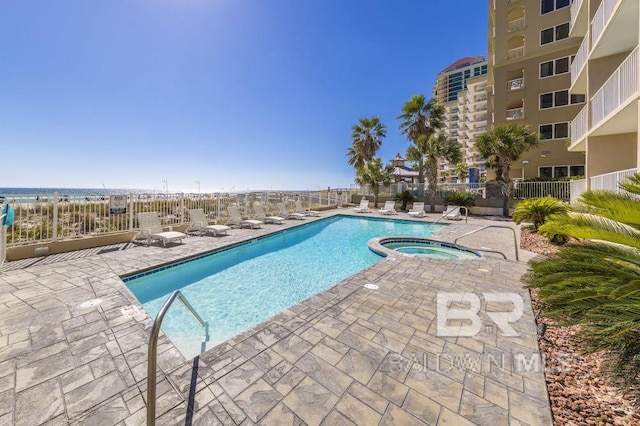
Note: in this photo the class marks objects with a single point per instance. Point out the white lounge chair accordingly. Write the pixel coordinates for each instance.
(364, 206)
(237, 220)
(282, 211)
(452, 213)
(151, 229)
(417, 210)
(301, 210)
(262, 216)
(389, 208)
(200, 224)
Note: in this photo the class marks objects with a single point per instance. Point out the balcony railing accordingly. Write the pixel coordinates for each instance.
(516, 24)
(515, 53)
(515, 114)
(580, 59)
(619, 87)
(516, 83)
(579, 125)
(601, 18)
(575, 8)
(609, 181)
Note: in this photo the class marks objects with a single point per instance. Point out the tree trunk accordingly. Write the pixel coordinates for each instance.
(432, 177)
(508, 191)
(376, 191)
(420, 177)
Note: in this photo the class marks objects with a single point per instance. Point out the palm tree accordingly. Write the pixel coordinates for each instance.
(431, 151)
(366, 139)
(462, 171)
(596, 283)
(501, 147)
(373, 173)
(420, 119)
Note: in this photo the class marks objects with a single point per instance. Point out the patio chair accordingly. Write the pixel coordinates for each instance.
(200, 224)
(452, 213)
(262, 216)
(417, 210)
(237, 220)
(151, 230)
(301, 210)
(389, 208)
(364, 206)
(282, 211)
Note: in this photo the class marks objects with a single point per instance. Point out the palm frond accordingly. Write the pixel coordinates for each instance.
(591, 226)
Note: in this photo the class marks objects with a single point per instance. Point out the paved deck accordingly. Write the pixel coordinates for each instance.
(348, 355)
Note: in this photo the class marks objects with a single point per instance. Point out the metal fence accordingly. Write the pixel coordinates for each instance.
(442, 189)
(55, 217)
(556, 189)
(610, 181)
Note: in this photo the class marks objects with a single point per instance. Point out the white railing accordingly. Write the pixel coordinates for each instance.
(516, 83)
(515, 114)
(557, 189)
(579, 125)
(55, 217)
(516, 24)
(622, 84)
(575, 9)
(577, 187)
(609, 181)
(415, 189)
(580, 59)
(515, 52)
(601, 18)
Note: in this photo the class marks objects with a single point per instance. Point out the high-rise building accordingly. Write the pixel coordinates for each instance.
(461, 89)
(530, 53)
(607, 69)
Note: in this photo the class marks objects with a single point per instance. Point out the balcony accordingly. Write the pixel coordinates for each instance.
(579, 127)
(610, 181)
(622, 85)
(516, 52)
(516, 25)
(614, 28)
(515, 114)
(579, 21)
(515, 84)
(578, 77)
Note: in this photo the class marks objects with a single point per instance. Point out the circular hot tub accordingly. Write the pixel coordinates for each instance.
(411, 246)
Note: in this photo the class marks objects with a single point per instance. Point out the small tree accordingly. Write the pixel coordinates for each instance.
(462, 171)
(501, 147)
(366, 139)
(537, 210)
(404, 197)
(373, 173)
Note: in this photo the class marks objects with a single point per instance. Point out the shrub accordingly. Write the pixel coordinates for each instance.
(458, 198)
(538, 210)
(404, 197)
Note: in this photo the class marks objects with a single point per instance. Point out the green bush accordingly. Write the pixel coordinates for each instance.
(538, 210)
(458, 198)
(404, 197)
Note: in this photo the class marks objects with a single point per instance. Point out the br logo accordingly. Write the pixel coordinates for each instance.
(458, 313)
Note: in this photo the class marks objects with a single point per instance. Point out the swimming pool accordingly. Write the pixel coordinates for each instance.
(240, 287)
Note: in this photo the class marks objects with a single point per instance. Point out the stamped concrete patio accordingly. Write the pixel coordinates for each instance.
(348, 355)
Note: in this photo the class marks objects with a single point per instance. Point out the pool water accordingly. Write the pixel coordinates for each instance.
(431, 250)
(238, 288)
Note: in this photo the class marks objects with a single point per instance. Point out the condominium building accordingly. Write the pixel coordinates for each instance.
(461, 89)
(530, 53)
(606, 70)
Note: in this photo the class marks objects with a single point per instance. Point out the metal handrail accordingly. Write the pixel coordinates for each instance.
(153, 350)
(515, 237)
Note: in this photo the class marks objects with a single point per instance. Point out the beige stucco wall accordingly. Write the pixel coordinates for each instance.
(609, 153)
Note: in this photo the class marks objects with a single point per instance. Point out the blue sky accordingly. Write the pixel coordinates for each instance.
(241, 94)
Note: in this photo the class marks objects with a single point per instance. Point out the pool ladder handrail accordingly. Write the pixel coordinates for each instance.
(515, 239)
(466, 217)
(153, 350)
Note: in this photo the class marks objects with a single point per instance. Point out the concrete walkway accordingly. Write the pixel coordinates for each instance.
(349, 355)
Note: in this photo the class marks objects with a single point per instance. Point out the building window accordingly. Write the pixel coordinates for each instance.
(555, 67)
(560, 171)
(554, 131)
(559, 98)
(557, 172)
(556, 33)
(548, 6)
(576, 170)
(545, 172)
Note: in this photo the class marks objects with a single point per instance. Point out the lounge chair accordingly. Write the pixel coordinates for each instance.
(237, 220)
(389, 208)
(452, 213)
(151, 230)
(364, 206)
(301, 210)
(200, 224)
(282, 211)
(417, 210)
(262, 216)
